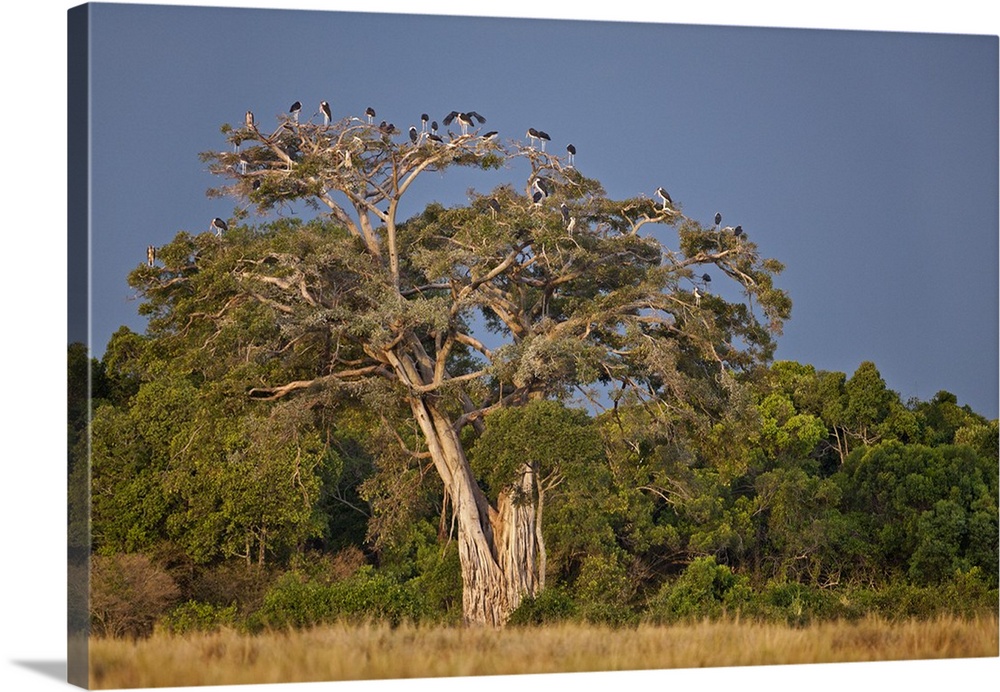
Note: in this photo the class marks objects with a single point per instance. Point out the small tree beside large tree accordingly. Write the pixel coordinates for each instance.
(540, 290)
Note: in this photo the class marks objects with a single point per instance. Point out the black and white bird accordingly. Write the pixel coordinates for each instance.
(413, 134)
(544, 137)
(568, 218)
(532, 134)
(707, 278)
(218, 225)
(327, 114)
(150, 255)
(571, 150)
(370, 112)
(466, 120)
(538, 193)
(249, 120)
(423, 121)
(697, 296)
(738, 231)
(665, 196)
(718, 219)
(494, 206)
(294, 110)
(490, 135)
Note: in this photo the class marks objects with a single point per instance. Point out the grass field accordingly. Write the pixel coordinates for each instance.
(377, 651)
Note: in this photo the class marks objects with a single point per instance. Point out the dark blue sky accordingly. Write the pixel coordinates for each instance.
(865, 161)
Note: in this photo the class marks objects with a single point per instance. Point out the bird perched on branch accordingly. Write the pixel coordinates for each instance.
(466, 120)
(665, 196)
(324, 108)
(294, 110)
(571, 150)
(538, 192)
(218, 225)
(150, 255)
(249, 120)
(370, 112)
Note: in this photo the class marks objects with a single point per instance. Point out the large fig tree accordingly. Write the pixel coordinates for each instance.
(540, 288)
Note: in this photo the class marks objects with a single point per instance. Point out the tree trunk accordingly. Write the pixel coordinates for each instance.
(496, 547)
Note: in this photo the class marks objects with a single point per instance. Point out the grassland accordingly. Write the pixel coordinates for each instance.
(378, 651)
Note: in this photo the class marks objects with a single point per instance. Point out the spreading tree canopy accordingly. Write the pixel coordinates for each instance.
(541, 289)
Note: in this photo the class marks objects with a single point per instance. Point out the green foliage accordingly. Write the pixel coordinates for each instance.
(544, 435)
(552, 605)
(192, 616)
(921, 507)
(439, 581)
(966, 594)
(603, 591)
(796, 604)
(367, 596)
(705, 590)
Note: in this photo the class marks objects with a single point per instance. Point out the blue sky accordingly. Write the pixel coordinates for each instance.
(866, 161)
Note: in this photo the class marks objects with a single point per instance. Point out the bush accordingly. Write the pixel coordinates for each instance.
(440, 582)
(549, 606)
(704, 590)
(235, 583)
(298, 602)
(128, 594)
(967, 594)
(193, 616)
(603, 592)
(797, 604)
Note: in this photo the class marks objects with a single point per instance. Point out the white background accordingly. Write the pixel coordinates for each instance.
(33, 142)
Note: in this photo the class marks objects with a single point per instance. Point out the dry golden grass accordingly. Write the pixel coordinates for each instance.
(376, 651)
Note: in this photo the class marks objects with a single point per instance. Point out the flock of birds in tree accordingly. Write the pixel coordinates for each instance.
(429, 131)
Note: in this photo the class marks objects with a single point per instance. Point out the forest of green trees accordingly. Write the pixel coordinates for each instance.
(316, 427)
(827, 497)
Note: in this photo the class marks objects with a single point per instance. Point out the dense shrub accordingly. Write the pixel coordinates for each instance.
(235, 583)
(193, 616)
(440, 583)
(549, 606)
(704, 590)
(967, 594)
(604, 591)
(128, 594)
(797, 604)
(298, 602)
